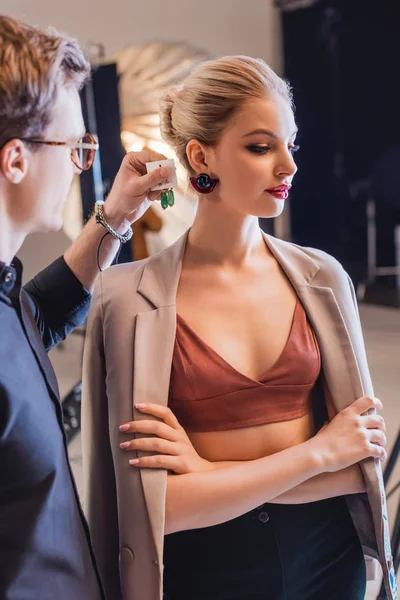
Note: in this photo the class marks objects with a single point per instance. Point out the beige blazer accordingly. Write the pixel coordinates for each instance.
(127, 359)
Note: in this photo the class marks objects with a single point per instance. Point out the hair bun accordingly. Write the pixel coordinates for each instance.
(167, 102)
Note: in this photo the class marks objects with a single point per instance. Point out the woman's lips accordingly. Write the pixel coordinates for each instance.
(281, 192)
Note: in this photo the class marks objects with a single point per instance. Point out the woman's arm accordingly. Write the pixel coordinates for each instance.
(224, 498)
(320, 487)
(207, 498)
(203, 495)
(325, 485)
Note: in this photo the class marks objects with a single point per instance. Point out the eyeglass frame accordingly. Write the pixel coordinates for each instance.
(77, 146)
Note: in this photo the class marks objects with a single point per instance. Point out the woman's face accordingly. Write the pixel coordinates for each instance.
(254, 158)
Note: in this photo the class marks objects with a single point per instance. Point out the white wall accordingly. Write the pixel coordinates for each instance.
(219, 26)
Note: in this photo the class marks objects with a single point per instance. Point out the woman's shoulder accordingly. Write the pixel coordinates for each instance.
(123, 275)
(322, 259)
(326, 269)
(139, 285)
(116, 288)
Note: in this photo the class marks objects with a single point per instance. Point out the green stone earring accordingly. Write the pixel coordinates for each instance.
(167, 199)
(171, 198)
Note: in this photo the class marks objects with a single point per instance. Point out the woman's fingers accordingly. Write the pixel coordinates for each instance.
(151, 428)
(374, 422)
(377, 451)
(161, 412)
(376, 436)
(162, 461)
(151, 445)
(362, 405)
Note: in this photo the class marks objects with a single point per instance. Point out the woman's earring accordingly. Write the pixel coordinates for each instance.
(203, 183)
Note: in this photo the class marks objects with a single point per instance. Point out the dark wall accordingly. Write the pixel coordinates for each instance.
(100, 102)
(342, 58)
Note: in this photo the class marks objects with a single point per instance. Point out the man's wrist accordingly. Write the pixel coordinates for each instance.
(118, 222)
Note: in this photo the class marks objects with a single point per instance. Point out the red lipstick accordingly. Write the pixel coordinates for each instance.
(281, 192)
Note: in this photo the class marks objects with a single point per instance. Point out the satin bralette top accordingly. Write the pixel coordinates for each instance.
(208, 394)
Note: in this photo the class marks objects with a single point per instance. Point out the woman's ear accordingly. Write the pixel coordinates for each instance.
(198, 156)
(14, 161)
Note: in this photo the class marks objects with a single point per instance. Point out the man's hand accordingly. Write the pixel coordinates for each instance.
(173, 448)
(130, 194)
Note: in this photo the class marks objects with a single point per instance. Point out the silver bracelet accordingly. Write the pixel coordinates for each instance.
(99, 214)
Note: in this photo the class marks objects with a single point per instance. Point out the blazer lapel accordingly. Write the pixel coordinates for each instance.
(344, 364)
(337, 353)
(338, 359)
(154, 346)
(155, 333)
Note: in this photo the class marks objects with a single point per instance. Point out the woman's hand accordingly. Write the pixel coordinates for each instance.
(173, 448)
(352, 436)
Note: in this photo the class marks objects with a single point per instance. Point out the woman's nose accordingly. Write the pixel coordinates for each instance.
(286, 167)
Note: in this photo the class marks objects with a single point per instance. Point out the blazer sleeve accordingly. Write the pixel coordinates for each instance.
(361, 350)
(100, 501)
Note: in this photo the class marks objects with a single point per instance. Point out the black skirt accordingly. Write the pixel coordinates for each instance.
(276, 552)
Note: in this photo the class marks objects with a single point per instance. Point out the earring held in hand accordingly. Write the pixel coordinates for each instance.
(167, 195)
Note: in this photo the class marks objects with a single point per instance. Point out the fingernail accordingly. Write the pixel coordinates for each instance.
(124, 445)
(140, 406)
(164, 172)
(134, 461)
(124, 428)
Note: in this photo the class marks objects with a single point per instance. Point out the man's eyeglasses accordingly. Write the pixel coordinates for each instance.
(82, 153)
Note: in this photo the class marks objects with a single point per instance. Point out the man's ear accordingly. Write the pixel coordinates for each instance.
(14, 161)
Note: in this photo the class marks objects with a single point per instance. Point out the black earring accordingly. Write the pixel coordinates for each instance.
(203, 183)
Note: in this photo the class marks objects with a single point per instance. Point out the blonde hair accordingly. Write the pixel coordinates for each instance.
(33, 63)
(209, 98)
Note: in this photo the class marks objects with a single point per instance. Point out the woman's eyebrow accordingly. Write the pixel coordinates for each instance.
(267, 132)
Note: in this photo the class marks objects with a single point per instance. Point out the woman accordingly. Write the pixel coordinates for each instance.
(233, 329)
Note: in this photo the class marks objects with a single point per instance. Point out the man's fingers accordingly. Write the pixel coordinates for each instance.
(144, 183)
(143, 157)
(150, 428)
(154, 196)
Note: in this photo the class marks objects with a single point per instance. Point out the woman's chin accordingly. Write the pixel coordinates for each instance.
(272, 210)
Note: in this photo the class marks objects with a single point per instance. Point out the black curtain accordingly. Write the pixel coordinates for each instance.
(342, 57)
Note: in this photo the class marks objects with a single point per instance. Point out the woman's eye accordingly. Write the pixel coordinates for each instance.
(294, 148)
(259, 149)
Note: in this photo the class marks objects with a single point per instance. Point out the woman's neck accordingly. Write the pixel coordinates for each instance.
(219, 237)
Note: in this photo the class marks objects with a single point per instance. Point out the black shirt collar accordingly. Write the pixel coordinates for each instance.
(10, 279)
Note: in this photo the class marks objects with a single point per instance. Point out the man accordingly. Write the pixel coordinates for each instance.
(45, 551)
